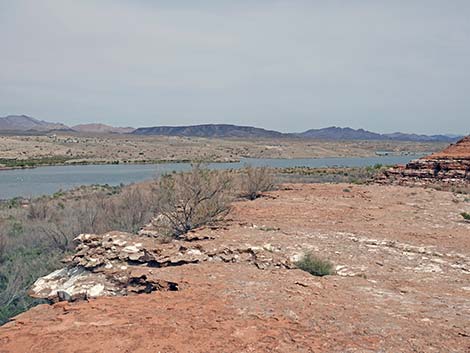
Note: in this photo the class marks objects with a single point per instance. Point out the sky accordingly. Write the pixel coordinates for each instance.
(395, 65)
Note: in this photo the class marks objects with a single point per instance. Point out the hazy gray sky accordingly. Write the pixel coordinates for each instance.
(286, 65)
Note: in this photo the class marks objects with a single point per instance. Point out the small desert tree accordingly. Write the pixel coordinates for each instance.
(254, 181)
(190, 200)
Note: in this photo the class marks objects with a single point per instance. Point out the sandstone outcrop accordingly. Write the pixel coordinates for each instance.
(450, 166)
(118, 263)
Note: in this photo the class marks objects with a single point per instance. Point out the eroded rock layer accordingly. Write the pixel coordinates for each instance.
(450, 166)
(119, 263)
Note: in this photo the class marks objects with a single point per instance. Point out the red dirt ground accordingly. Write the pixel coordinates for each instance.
(403, 284)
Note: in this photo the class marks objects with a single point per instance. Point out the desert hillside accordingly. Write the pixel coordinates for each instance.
(459, 150)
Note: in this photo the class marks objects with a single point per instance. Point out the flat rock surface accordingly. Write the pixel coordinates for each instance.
(402, 257)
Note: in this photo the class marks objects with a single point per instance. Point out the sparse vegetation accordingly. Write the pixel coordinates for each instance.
(33, 239)
(465, 216)
(255, 181)
(36, 234)
(314, 265)
(353, 175)
(33, 162)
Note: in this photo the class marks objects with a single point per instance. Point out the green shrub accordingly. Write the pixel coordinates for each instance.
(315, 266)
(465, 216)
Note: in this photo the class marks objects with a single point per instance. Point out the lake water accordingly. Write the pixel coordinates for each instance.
(47, 180)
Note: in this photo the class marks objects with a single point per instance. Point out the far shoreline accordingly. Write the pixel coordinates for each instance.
(45, 162)
(135, 162)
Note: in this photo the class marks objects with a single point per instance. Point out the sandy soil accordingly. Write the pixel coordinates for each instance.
(402, 285)
(98, 148)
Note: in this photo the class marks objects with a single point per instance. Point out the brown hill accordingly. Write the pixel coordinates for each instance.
(459, 150)
(27, 123)
(102, 128)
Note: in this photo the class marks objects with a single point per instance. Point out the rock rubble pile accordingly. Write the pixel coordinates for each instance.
(118, 263)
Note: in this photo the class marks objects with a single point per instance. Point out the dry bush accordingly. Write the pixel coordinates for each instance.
(38, 210)
(60, 235)
(63, 224)
(3, 244)
(255, 181)
(98, 213)
(190, 200)
(130, 210)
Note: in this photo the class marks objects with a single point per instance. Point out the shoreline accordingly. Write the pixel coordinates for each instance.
(136, 162)
(36, 163)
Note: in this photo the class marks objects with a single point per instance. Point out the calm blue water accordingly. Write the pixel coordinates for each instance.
(47, 180)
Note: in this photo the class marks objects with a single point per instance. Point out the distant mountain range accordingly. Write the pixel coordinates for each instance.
(329, 133)
(26, 124)
(338, 133)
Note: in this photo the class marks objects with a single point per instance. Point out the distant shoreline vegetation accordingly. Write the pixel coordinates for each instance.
(15, 163)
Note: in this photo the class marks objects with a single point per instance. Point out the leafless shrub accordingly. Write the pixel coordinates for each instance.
(12, 287)
(132, 209)
(3, 244)
(38, 210)
(97, 213)
(255, 181)
(190, 200)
